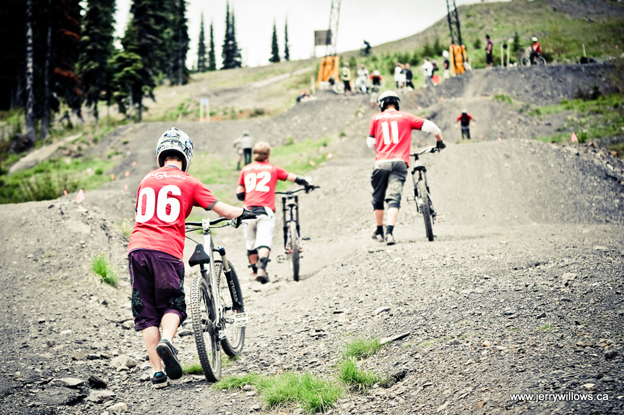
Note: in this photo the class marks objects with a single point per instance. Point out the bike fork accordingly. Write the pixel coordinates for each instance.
(227, 271)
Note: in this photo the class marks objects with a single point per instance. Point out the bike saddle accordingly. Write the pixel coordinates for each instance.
(199, 256)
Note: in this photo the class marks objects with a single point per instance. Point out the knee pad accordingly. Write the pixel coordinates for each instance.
(253, 252)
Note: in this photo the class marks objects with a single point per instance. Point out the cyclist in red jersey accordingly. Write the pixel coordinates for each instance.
(164, 200)
(536, 49)
(256, 187)
(390, 137)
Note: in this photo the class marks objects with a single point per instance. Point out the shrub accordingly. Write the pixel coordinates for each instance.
(102, 268)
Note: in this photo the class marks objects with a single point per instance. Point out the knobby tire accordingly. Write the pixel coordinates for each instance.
(426, 212)
(206, 338)
(294, 256)
(234, 339)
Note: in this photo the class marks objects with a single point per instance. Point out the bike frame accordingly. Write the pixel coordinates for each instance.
(291, 213)
(422, 175)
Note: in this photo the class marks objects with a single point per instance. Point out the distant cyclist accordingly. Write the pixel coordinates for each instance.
(536, 50)
(256, 188)
(164, 200)
(390, 138)
(464, 119)
(243, 145)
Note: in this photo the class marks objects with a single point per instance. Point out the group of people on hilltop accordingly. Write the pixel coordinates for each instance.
(166, 196)
(535, 51)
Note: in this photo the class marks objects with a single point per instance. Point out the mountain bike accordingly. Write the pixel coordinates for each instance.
(422, 196)
(526, 59)
(292, 237)
(216, 304)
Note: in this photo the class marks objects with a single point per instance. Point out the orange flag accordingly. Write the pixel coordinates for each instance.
(574, 138)
(80, 196)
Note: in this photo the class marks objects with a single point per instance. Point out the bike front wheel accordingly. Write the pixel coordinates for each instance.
(526, 61)
(294, 256)
(541, 61)
(203, 315)
(234, 339)
(426, 209)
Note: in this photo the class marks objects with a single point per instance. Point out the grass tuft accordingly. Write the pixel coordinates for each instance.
(351, 375)
(193, 369)
(313, 393)
(102, 268)
(362, 348)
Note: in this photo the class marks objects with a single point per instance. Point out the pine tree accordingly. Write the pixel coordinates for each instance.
(30, 94)
(12, 16)
(230, 52)
(142, 38)
(212, 60)
(127, 79)
(201, 49)
(286, 51)
(274, 47)
(96, 51)
(180, 45)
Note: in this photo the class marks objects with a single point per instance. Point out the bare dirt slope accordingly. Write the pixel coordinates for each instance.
(521, 292)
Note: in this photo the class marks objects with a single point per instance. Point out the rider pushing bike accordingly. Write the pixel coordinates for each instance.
(390, 138)
(256, 187)
(536, 50)
(164, 200)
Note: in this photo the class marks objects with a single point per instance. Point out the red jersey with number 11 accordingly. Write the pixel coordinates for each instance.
(392, 130)
(164, 200)
(259, 179)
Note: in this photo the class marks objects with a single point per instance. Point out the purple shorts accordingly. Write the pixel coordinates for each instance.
(157, 282)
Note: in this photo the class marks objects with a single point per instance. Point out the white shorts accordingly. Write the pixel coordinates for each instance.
(259, 231)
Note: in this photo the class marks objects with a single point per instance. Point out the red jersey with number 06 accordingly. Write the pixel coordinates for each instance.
(164, 200)
(392, 130)
(259, 179)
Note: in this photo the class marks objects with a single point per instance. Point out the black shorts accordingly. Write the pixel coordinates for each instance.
(387, 181)
(347, 85)
(489, 58)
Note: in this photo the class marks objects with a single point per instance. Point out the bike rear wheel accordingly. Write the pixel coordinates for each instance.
(234, 338)
(203, 314)
(426, 209)
(294, 256)
(541, 61)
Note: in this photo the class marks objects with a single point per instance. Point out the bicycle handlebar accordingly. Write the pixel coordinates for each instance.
(430, 149)
(290, 192)
(212, 222)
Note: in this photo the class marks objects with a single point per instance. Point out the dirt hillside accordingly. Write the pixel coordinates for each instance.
(521, 291)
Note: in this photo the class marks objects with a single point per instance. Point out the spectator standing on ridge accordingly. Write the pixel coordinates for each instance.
(465, 119)
(390, 138)
(244, 146)
(447, 64)
(428, 71)
(409, 76)
(489, 59)
(304, 94)
(362, 79)
(346, 78)
(397, 74)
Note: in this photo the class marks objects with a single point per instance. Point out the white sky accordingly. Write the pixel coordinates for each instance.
(374, 20)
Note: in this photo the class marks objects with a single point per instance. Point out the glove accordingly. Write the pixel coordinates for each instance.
(247, 214)
(309, 187)
(301, 181)
(440, 145)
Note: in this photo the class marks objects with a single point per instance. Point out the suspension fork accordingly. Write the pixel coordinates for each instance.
(285, 223)
(227, 271)
(297, 213)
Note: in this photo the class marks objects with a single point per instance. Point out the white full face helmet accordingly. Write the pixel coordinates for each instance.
(534, 39)
(388, 97)
(174, 141)
(445, 54)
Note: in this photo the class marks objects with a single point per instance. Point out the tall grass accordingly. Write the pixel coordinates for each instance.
(101, 267)
(350, 374)
(362, 348)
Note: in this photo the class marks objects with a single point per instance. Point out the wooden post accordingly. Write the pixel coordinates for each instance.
(502, 56)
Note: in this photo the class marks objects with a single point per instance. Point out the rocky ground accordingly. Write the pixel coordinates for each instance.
(521, 292)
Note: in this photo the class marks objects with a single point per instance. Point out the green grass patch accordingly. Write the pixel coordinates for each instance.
(503, 98)
(313, 393)
(193, 369)
(362, 348)
(546, 327)
(351, 375)
(101, 267)
(299, 158)
(126, 227)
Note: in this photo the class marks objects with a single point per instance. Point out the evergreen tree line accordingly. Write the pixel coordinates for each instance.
(55, 52)
(275, 56)
(230, 52)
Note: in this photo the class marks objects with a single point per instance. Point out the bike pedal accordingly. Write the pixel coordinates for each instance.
(280, 259)
(241, 319)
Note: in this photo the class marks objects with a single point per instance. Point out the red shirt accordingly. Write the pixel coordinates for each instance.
(465, 122)
(392, 130)
(164, 200)
(537, 47)
(259, 180)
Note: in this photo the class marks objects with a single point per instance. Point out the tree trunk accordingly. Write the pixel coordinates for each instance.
(96, 114)
(30, 95)
(45, 120)
(140, 106)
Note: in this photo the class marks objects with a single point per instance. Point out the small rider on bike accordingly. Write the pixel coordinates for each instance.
(536, 50)
(164, 200)
(390, 138)
(366, 48)
(243, 145)
(256, 188)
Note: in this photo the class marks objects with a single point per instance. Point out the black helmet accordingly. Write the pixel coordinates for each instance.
(388, 97)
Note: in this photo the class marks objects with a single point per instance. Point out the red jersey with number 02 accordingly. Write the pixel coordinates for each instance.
(164, 200)
(392, 130)
(259, 179)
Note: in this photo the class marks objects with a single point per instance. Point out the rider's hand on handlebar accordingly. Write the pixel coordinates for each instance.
(440, 145)
(309, 187)
(247, 214)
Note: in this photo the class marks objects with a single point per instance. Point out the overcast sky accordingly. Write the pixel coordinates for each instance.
(374, 20)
